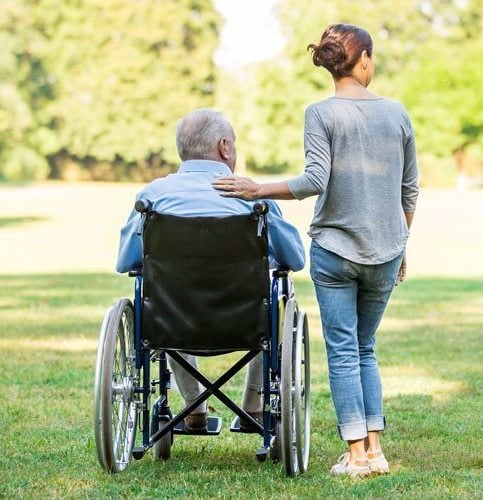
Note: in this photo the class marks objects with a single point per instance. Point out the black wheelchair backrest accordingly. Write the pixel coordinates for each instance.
(206, 283)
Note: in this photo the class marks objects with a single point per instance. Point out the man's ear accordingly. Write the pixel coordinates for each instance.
(223, 149)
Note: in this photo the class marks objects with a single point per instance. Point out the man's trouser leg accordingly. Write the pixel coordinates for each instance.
(189, 387)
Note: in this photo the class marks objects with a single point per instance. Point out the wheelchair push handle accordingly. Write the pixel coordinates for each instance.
(260, 208)
(143, 206)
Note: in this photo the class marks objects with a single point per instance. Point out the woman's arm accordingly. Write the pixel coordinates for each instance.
(409, 188)
(245, 188)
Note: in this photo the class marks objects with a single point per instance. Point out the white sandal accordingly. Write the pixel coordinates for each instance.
(378, 463)
(344, 467)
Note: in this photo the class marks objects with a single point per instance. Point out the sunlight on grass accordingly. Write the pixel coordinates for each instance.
(81, 237)
(410, 380)
(78, 344)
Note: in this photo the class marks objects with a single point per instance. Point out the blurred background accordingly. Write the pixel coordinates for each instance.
(92, 89)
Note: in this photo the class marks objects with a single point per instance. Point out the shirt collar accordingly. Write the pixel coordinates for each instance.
(212, 166)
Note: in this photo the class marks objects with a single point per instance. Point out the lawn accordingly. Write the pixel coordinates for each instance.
(428, 347)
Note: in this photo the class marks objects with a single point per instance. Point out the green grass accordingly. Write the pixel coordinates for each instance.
(429, 355)
(15, 221)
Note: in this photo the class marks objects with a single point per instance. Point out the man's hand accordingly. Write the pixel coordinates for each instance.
(237, 187)
(401, 275)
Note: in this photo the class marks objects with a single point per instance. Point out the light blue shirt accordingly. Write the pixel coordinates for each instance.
(189, 193)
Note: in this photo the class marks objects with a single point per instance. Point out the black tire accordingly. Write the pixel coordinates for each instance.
(288, 441)
(115, 402)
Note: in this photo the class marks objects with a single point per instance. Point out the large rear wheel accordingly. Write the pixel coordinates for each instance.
(287, 392)
(302, 391)
(115, 400)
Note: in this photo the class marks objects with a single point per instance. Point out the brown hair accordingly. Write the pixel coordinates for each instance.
(340, 48)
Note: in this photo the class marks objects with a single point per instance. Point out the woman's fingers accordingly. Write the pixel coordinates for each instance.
(239, 187)
(401, 275)
(224, 183)
(227, 186)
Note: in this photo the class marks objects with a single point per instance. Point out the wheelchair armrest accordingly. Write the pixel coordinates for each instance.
(138, 271)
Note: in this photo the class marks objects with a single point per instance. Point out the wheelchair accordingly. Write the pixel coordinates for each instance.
(205, 288)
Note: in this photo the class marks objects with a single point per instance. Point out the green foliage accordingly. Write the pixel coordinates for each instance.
(23, 164)
(445, 95)
(268, 117)
(426, 55)
(117, 75)
(93, 88)
(24, 89)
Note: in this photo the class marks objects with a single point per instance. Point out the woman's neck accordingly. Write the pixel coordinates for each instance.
(352, 88)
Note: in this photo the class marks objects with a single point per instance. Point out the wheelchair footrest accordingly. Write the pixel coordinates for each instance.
(235, 427)
(261, 454)
(138, 453)
(213, 428)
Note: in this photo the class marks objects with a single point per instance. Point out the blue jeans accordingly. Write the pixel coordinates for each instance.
(352, 298)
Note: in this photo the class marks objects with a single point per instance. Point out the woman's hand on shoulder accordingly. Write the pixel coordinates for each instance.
(237, 187)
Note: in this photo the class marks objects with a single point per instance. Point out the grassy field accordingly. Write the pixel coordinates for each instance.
(57, 284)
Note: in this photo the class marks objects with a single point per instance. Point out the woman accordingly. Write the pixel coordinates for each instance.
(361, 163)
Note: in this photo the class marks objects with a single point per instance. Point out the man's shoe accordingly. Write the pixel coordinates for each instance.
(196, 422)
(345, 468)
(246, 426)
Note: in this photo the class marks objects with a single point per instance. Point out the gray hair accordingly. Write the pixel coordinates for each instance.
(198, 133)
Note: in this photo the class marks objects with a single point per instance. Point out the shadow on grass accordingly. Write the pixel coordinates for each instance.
(17, 221)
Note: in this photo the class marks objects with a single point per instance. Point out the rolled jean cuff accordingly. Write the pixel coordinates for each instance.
(376, 422)
(353, 431)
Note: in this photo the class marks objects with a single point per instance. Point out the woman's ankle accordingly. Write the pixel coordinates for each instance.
(357, 451)
(372, 442)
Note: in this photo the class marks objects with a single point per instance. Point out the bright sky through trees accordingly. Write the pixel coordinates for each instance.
(250, 32)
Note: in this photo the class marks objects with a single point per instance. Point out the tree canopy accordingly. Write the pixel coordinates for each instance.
(101, 83)
(94, 88)
(426, 55)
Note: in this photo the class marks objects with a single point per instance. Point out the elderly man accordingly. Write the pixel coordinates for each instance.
(205, 141)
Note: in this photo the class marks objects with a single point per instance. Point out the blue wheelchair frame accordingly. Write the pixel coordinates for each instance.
(271, 373)
(135, 334)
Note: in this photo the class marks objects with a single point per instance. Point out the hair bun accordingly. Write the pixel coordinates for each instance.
(340, 47)
(330, 53)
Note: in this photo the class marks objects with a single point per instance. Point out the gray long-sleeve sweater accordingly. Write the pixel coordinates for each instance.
(361, 162)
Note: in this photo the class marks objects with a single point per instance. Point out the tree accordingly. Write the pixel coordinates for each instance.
(120, 74)
(425, 53)
(24, 90)
(444, 92)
